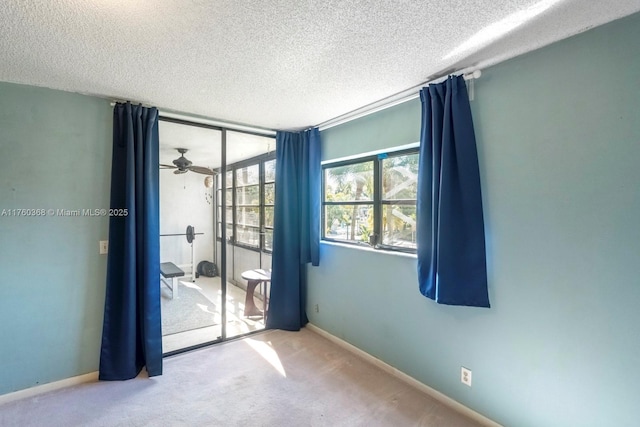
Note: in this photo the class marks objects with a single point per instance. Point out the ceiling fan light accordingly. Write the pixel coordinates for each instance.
(182, 162)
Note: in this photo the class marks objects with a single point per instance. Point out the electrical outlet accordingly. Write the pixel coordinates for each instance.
(465, 376)
(104, 247)
(316, 308)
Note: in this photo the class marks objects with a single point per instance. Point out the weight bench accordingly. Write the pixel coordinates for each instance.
(169, 270)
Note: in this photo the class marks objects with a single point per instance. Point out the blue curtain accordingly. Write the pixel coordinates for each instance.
(450, 225)
(131, 335)
(296, 234)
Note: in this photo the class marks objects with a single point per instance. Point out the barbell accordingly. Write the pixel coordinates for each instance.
(190, 234)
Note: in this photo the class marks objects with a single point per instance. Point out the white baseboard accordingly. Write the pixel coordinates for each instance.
(45, 388)
(444, 399)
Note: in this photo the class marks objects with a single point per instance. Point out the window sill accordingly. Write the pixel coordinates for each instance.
(369, 249)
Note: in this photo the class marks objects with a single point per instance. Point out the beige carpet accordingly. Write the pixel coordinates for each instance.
(275, 378)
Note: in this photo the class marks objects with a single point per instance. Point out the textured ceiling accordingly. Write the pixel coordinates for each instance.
(279, 64)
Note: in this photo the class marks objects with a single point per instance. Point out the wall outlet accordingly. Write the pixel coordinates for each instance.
(316, 308)
(104, 247)
(465, 376)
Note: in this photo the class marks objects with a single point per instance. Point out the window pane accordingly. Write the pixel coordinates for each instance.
(349, 222)
(269, 194)
(248, 175)
(229, 197)
(229, 182)
(270, 171)
(248, 195)
(399, 225)
(268, 216)
(219, 197)
(229, 217)
(247, 235)
(400, 177)
(229, 231)
(248, 216)
(268, 240)
(350, 182)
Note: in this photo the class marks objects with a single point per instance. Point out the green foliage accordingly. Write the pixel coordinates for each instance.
(354, 182)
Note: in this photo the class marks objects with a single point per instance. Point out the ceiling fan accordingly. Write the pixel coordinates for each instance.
(184, 165)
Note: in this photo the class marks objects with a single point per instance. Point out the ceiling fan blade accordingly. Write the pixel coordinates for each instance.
(180, 171)
(167, 166)
(201, 169)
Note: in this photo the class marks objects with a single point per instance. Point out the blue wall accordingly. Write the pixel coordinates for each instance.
(558, 133)
(55, 154)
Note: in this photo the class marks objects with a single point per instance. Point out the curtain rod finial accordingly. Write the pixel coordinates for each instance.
(474, 75)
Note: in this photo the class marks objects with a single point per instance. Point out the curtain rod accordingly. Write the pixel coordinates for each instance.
(206, 121)
(391, 101)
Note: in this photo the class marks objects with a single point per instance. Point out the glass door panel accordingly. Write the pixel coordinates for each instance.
(250, 183)
(191, 288)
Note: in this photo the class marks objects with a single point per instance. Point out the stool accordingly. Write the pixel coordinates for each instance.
(255, 278)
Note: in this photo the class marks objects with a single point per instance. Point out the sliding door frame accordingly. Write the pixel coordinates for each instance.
(223, 230)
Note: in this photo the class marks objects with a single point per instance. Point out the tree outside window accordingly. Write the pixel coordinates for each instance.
(372, 201)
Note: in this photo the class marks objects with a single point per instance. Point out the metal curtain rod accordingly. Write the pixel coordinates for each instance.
(388, 102)
(211, 122)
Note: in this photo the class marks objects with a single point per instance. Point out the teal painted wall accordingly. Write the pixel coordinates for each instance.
(55, 154)
(396, 126)
(558, 133)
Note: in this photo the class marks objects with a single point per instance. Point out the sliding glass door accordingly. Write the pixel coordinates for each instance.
(216, 225)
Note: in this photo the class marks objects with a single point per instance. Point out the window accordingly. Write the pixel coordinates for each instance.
(247, 206)
(372, 201)
(229, 195)
(269, 200)
(250, 187)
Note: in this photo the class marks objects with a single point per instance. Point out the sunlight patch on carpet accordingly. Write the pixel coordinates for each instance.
(268, 353)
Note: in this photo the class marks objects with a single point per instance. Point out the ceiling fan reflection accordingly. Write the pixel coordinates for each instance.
(184, 165)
